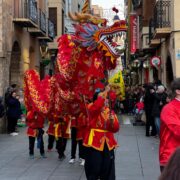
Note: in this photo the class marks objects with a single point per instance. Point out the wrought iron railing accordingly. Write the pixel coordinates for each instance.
(51, 31)
(42, 21)
(31, 11)
(26, 9)
(162, 14)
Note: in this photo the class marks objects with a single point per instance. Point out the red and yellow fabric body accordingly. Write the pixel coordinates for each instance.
(62, 127)
(101, 130)
(52, 118)
(34, 121)
(81, 127)
(169, 131)
(79, 122)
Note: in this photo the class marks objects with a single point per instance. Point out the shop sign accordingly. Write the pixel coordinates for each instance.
(155, 61)
(133, 32)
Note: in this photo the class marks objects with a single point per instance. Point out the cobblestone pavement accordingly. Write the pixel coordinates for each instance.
(136, 158)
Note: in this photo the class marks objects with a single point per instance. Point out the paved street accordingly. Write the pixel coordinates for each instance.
(136, 158)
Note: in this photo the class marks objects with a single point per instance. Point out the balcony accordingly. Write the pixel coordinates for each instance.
(162, 23)
(41, 30)
(51, 33)
(26, 14)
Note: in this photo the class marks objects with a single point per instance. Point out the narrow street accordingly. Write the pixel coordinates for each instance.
(136, 158)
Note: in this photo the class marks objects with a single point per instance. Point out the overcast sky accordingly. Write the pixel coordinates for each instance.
(108, 5)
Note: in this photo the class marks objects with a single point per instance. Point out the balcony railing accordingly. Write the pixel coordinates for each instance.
(31, 10)
(160, 25)
(51, 31)
(153, 42)
(42, 19)
(26, 13)
(162, 14)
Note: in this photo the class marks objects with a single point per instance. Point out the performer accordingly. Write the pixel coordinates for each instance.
(35, 123)
(77, 125)
(51, 131)
(99, 139)
(62, 133)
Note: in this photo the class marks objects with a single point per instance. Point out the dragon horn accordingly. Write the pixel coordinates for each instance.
(73, 17)
(82, 16)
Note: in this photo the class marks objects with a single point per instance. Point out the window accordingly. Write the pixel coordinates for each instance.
(53, 18)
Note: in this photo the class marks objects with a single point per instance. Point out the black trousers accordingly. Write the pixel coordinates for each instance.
(150, 122)
(74, 143)
(51, 140)
(31, 145)
(12, 123)
(61, 146)
(162, 168)
(100, 164)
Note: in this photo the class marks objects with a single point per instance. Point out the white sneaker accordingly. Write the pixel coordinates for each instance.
(13, 134)
(72, 161)
(82, 162)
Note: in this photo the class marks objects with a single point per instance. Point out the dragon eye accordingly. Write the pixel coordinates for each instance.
(100, 25)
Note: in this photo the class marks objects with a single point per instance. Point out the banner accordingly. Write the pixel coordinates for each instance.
(133, 32)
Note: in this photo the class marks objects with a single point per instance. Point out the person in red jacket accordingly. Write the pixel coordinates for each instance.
(99, 139)
(170, 126)
(35, 123)
(62, 133)
(51, 131)
(77, 125)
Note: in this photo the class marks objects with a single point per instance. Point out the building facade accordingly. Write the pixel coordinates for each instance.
(24, 27)
(58, 14)
(159, 49)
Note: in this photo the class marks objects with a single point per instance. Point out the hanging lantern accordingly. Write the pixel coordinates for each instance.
(136, 63)
(146, 64)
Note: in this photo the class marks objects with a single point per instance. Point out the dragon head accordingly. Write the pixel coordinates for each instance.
(93, 33)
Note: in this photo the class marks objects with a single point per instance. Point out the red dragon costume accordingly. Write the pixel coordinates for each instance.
(82, 59)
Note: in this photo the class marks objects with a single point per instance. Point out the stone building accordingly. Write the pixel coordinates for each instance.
(158, 37)
(58, 14)
(24, 27)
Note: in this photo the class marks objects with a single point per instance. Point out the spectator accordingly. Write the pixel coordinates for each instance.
(170, 126)
(139, 109)
(9, 90)
(13, 113)
(172, 170)
(159, 102)
(148, 101)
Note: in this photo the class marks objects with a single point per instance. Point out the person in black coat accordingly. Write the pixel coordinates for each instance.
(148, 102)
(13, 112)
(159, 102)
